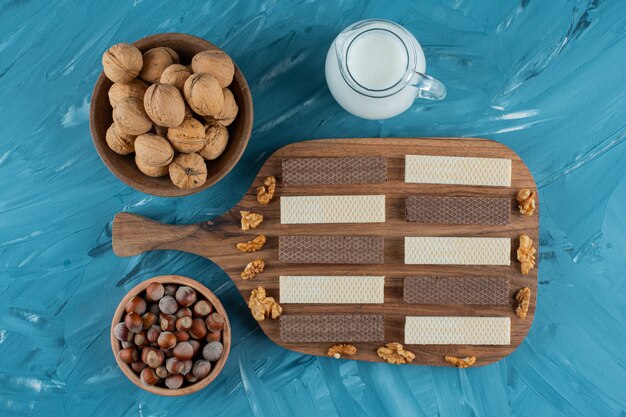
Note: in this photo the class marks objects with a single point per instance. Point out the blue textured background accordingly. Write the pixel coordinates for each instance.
(547, 78)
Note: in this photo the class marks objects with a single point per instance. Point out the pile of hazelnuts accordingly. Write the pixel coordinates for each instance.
(170, 336)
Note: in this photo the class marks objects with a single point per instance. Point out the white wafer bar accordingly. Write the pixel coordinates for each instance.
(457, 331)
(457, 251)
(429, 169)
(332, 209)
(332, 289)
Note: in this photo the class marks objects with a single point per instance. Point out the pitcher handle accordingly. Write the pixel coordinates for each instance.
(428, 87)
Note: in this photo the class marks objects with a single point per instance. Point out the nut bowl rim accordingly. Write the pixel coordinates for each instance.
(246, 113)
(226, 335)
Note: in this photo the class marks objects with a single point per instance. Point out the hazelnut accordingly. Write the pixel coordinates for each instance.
(175, 75)
(216, 137)
(174, 381)
(188, 171)
(170, 289)
(152, 357)
(153, 150)
(127, 344)
(140, 339)
(190, 378)
(121, 332)
(120, 142)
(195, 345)
(161, 372)
(183, 312)
(128, 355)
(183, 351)
(122, 62)
(168, 305)
(167, 322)
(184, 323)
(188, 364)
(149, 319)
(134, 88)
(154, 291)
(185, 296)
(136, 305)
(167, 340)
(202, 308)
(229, 111)
(154, 172)
(133, 322)
(215, 322)
(213, 351)
(174, 366)
(181, 336)
(204, 94)
(153, 334)
(154, 309)
(188, 137)
(130, 117)
(155, 61)
(138, 366)
(216, 63)
(164, 105)
(198, 329)
(148, 377)
(201, 369)
(213, 336)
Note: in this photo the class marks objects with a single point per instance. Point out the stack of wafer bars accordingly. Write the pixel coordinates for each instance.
(366, 208)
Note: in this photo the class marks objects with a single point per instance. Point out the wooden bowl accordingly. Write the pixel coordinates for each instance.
(200, 289)
(123, 166)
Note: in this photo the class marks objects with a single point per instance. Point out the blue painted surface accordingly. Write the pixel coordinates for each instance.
(545, 78)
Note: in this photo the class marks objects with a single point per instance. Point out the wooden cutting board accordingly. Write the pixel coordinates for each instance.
(217, 239)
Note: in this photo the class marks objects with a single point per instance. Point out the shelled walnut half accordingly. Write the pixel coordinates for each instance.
(526, 254)
(263, 306)
(526, 201)
(337, 351)
(265, 193)
(523, 298)
(253, 269)
(250, 220)
(395, 353)
(461, 362)
(252, 245)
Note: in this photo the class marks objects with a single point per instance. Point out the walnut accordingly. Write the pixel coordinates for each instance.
(526, 254)
(526, 200)
(130, 117)
(461, 363)
(122, 63)
(164, 105)
(265, 193)
(135, 88)
(395, 353)
(523, 298)
(250, 220)
(153, 150)
(216, 140)
(229, 110)
(337, 351)
(253, 269)
(262, 306)
(155, 61)
(188, 137)
(252, 245)
(204, 94)
(120, 142)
(215, 63)
(175, 75)
(188, 170)
(150, 170)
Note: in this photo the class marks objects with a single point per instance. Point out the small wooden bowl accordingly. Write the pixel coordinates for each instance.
(206, 293)
(123, 166)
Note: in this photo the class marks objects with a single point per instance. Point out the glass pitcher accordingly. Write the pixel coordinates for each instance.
(375, 70)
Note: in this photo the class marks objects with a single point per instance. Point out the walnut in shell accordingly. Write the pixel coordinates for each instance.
(164, 105)
(188, 171)
(155, 61)
(153, 150)
(204, 94)
(216, 63)
(150, 170)
(135, 88)
(216, 137)
(229, 110)
(120, 142)
(175, 75)
(130, 116)
(122, 63)
(188, 137)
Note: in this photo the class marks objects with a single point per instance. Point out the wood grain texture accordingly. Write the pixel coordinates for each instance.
(216, 240)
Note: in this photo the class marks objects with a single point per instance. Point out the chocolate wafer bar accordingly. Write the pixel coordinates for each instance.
(326, 171)
(458, 210)
(456, 290)
(332, 328)
(331, 249)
